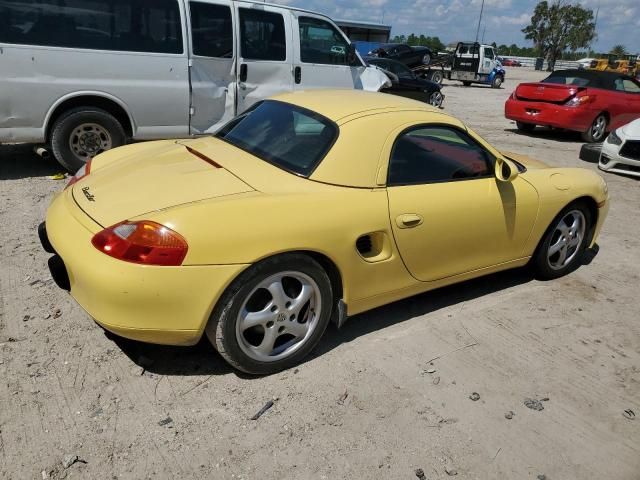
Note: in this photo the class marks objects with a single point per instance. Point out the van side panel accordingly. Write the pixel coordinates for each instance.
(132, 52)
(153, 88)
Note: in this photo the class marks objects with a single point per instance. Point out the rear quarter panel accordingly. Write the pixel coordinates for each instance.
(256, 226)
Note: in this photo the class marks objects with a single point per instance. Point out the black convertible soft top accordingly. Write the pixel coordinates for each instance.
(591, 78)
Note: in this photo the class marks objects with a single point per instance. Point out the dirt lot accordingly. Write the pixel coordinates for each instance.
(129, 410)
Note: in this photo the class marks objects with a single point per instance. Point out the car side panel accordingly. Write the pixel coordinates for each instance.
(248, 229)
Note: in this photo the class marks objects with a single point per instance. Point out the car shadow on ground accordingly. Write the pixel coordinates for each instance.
(556, 134)
(19, 161)
(202, 359)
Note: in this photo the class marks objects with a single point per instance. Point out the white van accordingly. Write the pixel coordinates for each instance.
(84, 76)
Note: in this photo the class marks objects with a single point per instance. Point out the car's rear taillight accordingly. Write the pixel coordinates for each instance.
(80, 174)
(144, 242)
(578, 100)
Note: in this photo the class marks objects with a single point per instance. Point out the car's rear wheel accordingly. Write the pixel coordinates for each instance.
(597, 131)
(525, 127)
(82, 133)
(273, 315)
(426, 59)
(436, 98)
(562, 247)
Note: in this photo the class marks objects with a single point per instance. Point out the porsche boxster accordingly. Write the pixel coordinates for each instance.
(307, 208)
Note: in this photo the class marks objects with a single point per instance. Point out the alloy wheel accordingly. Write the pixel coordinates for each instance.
(598, 128)
(566, 239)
(436, 99)
(278, 316)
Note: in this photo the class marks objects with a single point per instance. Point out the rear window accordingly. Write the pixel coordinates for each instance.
(289, 137)
(567, 80)
(123, 25)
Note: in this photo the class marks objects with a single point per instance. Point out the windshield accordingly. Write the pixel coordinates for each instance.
(289, 137)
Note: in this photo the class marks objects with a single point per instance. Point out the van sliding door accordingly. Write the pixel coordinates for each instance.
(212, 72)
(264, 53)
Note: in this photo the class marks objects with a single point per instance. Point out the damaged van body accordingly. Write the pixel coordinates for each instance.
(85, 76)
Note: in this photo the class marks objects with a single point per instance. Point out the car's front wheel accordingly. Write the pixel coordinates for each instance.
(436, 98)
(273, 315)
(564, 243)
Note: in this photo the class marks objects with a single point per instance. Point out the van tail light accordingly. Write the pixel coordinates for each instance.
(143, 242)
(80, 174)
(579, 100)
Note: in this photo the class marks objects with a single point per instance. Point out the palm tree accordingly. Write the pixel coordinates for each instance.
(619, 51)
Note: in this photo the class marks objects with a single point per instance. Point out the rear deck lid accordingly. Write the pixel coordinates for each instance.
(547, 92)
(157, 176)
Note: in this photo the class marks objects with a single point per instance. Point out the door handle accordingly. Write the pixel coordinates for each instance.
(297, 74)
(408, 220)
(243, 72)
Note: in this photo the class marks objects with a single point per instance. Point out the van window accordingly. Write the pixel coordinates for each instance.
(124, 25)
(211, 30)
(262, 35)
(320, 42)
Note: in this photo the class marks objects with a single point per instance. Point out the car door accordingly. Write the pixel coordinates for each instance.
(265, 55)
(449, 213)
(321, 59)
(487, 60)
(406, 55)
(212, 65)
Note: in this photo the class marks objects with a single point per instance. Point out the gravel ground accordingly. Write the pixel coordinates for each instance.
(390, 393)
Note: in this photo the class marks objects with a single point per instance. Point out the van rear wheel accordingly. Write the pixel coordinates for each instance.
(82, 133)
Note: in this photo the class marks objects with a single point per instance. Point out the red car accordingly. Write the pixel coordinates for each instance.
(586, 101)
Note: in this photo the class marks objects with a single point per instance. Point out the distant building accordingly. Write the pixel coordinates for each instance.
(365, 31)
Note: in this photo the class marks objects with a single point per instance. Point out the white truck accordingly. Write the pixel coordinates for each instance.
(471, 62)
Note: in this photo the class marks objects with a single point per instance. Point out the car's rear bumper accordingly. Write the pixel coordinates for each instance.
(167, 305)
(549, 114)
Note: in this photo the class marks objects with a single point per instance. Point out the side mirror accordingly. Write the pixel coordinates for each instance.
(352, 57)
(506, 170)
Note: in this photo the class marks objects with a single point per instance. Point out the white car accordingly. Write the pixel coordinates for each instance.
(621, 150)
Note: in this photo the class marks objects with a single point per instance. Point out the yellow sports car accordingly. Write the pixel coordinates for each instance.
(305, 209)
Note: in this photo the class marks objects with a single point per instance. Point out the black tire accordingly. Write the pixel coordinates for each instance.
(525, 127)
(426, 59)
(436, 98)
(466, 83)
(436, 76)
(497, 81)
(540, 260)
(221, 328)
(65, 127)
(597, 132)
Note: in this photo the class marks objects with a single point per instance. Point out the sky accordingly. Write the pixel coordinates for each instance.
(618, 20)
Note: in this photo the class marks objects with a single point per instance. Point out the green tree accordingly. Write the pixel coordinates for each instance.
(619, 51)
(558, 27)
